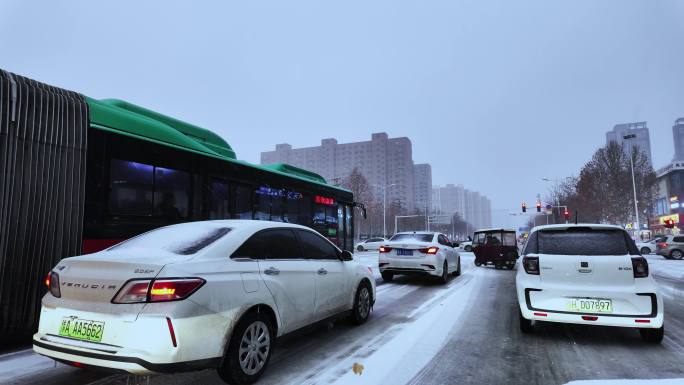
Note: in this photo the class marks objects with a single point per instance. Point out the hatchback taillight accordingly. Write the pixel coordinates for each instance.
(157, 290)
(531, 265)
(429, 250)
(52, 283)
(385, 249)
(640, 267)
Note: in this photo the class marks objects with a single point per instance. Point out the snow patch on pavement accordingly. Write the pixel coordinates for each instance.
(411, 345)
(666, 267)
(673, 381)
(14, 366)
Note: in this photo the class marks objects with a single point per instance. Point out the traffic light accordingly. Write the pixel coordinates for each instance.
(538, 207)
(524, 207)
(669, 223)
(566, 214)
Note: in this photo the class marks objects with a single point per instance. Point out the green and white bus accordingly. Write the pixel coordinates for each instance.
(78, 175)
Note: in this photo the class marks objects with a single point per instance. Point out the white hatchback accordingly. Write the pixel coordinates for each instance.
(212, 294)
(587, 274)
(419, 253)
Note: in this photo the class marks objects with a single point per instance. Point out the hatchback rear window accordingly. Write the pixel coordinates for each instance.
(181, 240)
(582, 241)
(412, 238)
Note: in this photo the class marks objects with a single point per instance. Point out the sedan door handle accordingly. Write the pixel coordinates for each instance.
(272, 271)
(322, 271)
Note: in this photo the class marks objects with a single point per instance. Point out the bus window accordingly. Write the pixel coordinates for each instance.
(242, 201)
(131, 188)
(340, 226)
(277, 208)
(304, 212)
(218, 199)
(171, 193)
(262, 206)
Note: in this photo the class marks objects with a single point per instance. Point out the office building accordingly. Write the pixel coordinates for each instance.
(642, 140)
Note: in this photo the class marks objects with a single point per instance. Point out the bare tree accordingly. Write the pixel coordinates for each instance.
(358, 184)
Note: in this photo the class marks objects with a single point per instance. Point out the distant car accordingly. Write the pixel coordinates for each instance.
(587, 274)
(671, 247)
(419, 253)
(649, 247)
(466, 246)
(212, 294)
(370, 244)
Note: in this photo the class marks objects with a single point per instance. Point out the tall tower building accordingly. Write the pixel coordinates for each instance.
(678, 139)
(642, 140)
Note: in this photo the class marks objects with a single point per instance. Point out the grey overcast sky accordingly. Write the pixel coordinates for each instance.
(494, 94)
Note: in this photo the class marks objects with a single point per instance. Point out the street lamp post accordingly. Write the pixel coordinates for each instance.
(384, 207)
(631, 164)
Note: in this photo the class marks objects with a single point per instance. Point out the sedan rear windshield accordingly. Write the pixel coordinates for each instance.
(580, 241)
(412, 238)
(181, 240)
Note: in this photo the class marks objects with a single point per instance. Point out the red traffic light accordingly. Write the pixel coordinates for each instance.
(524, 207)
(669, 223)
(566, 214)
(538, 207)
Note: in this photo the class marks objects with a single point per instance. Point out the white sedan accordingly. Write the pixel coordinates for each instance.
(419, 253)
(649, 247)
(212, 294)
(587, 274)
(370, 244)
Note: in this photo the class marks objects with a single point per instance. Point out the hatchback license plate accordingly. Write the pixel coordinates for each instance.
(589, 305)
(81, 329)
(404, 252)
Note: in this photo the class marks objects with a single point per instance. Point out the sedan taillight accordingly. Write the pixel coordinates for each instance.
(531, 265)
(429, 250)
(385, 249)
(157, 290)
(640, 267)
(52, 283)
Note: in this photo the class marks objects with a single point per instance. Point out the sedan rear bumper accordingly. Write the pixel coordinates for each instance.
(413, 266)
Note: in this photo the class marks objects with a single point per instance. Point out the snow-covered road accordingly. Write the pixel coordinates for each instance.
(421, 332)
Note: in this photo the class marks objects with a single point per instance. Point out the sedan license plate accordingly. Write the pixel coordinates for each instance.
(404, 252)
(81, 329)
(590, 305)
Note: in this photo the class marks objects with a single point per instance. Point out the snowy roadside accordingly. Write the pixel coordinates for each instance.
(666, 267)
(14, 366)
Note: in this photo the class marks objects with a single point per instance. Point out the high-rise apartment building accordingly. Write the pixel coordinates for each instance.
(678, 139)
(474, 208)
(642, 140)
(422, 187)
(386, 163)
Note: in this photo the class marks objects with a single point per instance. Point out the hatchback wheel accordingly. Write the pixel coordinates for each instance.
(248, 351)
(645, 251)
(362, 304)
(653, 336)
(445, 274)
(525, 324)
(468, 248)
(676, 254)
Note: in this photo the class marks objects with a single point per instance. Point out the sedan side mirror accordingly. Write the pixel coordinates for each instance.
(346, 256)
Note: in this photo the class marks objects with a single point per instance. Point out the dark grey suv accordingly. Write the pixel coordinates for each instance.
(671, 247)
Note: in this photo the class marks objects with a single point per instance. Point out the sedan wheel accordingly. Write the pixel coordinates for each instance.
(360, 248)
(362, 304)
(248, 351)
(468, 248)
(445, 274)
(645, 251)
(676, 254)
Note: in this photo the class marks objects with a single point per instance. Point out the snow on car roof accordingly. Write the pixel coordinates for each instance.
(565, 226)
(494, 229)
